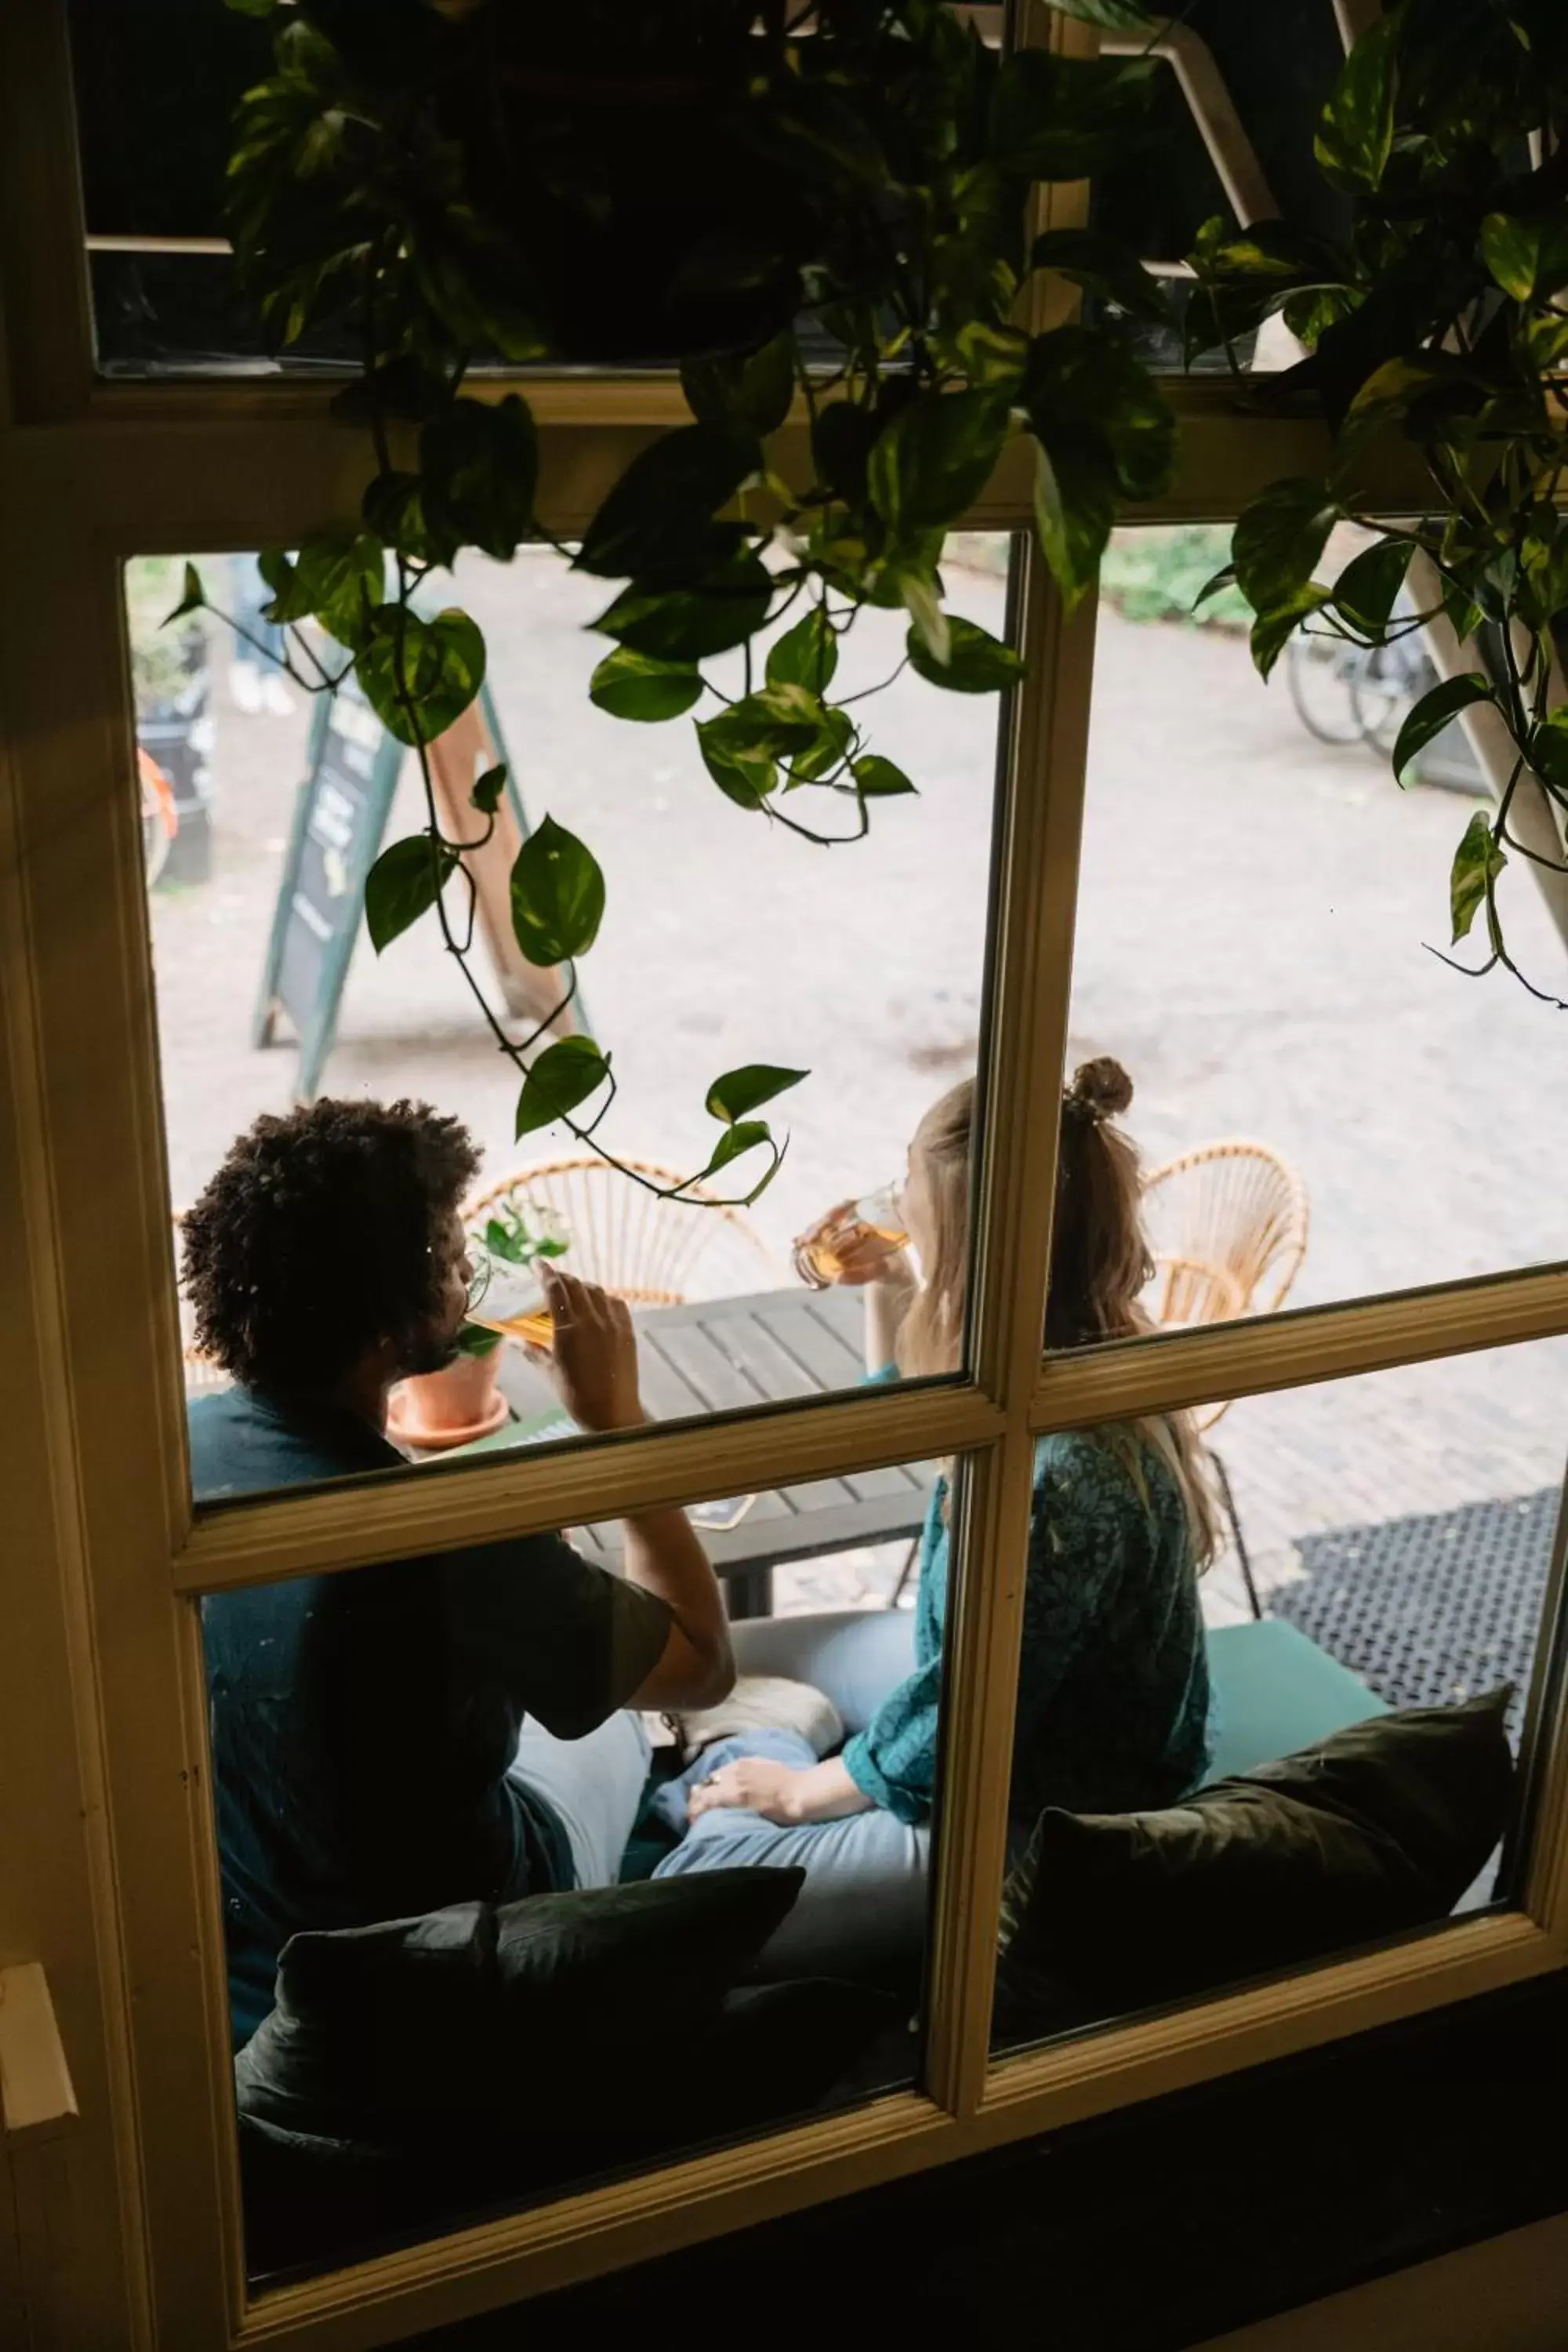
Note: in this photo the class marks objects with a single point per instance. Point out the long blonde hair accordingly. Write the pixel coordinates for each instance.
(1100, 1262)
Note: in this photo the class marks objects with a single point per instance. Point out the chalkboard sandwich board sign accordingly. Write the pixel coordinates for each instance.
(340, 817)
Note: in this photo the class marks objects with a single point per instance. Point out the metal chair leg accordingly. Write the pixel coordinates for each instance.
(1228, 1501)
(909, 1559)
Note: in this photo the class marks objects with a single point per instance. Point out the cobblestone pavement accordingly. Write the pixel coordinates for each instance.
(1252, 920)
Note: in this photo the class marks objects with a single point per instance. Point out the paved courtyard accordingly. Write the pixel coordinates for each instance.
(1250, 943)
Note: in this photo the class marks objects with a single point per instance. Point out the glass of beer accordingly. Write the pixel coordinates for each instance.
(509, 1299)
(874, 1225)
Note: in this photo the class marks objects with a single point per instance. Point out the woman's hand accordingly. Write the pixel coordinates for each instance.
(783, 1793)
(593, 1358)
(754, 1782)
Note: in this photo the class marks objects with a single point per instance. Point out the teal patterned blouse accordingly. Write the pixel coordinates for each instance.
(1113, 1694)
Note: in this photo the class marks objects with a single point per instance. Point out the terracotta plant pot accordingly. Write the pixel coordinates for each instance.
(451, 1407)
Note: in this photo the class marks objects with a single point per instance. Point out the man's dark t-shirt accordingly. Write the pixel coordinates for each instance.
(362, 1723)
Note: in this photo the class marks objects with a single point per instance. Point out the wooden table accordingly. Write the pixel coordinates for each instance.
(722, 1353)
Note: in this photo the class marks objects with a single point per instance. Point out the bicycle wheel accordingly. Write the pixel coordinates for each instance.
(1386, 688)
(1321, 671)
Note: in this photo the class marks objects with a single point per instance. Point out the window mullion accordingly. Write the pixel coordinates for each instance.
(46, 335)
(1022, 1088)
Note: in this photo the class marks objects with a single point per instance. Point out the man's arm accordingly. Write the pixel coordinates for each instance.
(594, 1364)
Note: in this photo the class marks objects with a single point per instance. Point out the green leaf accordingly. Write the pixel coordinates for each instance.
(1510, 248)
(736, 753)
(1433, 711)
(1089, 259)
(978, 663)
(1224, 578)
(393, 511)
(878, 777)
(1548, 751)
(724, 608)
(657, 523)
(1477, 861)
(1529, 257)
(479, 472)
(1272, 630)
(1086, 395)
(834, 740)
(474, 1340)
(405, 882)
(744, 1136)
(1075, 508)
(1356, 134)
(417, 675)
(557, 896)
(635, 686)
(1056, 118)
(922, 600)
(751, 388)
(193, 596)
(1366, 589)
(746, 1089)
(935, 458)
(340, 580)
(807, 654)
(1279, 539)
(560, 1079)
(485, 794)
(993, 358)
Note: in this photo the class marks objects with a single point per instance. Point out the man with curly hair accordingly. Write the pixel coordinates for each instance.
(390, 1740)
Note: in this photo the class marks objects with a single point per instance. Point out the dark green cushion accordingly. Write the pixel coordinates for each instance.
(1376, 1830)
(519, 2006)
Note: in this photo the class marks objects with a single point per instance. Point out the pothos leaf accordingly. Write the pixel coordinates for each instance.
(746, 1089)
(192, 598)
(1433, 711)
(977, 664)
(560, 1079)
(1477, 861)
(416, 675)
(630, 685)
(405, 880)
(485, 794)
(557, 896)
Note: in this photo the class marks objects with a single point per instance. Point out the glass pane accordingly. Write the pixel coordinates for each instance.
(1235, 121)
(518, 1895)
(1383, 1555)
(727, 942)
(1322, 1107)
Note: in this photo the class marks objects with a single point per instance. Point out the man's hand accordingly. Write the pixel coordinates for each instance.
(754, 1782)
(592, 1360)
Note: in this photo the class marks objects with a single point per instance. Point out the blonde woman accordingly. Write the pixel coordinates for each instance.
(1113, 1694)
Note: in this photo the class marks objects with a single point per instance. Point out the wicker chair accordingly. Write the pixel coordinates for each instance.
(1227, 1225)
(639, 1246)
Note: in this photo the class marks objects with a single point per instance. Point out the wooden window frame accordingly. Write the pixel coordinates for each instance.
(96, 472)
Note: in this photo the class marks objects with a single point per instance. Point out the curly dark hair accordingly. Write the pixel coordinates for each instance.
(321, 1235)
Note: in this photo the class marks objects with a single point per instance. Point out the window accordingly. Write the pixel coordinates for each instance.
(1034, 941)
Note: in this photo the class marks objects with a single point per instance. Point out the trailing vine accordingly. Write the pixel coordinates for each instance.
(817, 212)
(1437, 332)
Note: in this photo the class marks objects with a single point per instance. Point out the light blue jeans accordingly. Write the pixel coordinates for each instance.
(595, 1785)
(862, 1911)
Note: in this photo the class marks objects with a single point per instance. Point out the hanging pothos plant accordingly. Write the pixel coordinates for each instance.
(1439, 321)
(825, 206)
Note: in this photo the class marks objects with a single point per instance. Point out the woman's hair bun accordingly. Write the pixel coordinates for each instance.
(1101, 1088)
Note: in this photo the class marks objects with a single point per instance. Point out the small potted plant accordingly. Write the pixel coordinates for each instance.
(463, 1401)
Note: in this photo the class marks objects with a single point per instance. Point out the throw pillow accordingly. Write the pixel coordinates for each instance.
(478, 2004)
(1375, 1831)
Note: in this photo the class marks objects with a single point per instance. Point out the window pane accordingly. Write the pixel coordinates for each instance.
(1382, 1547)
(493, 1932)
(727, 942)
(1323, 1108)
